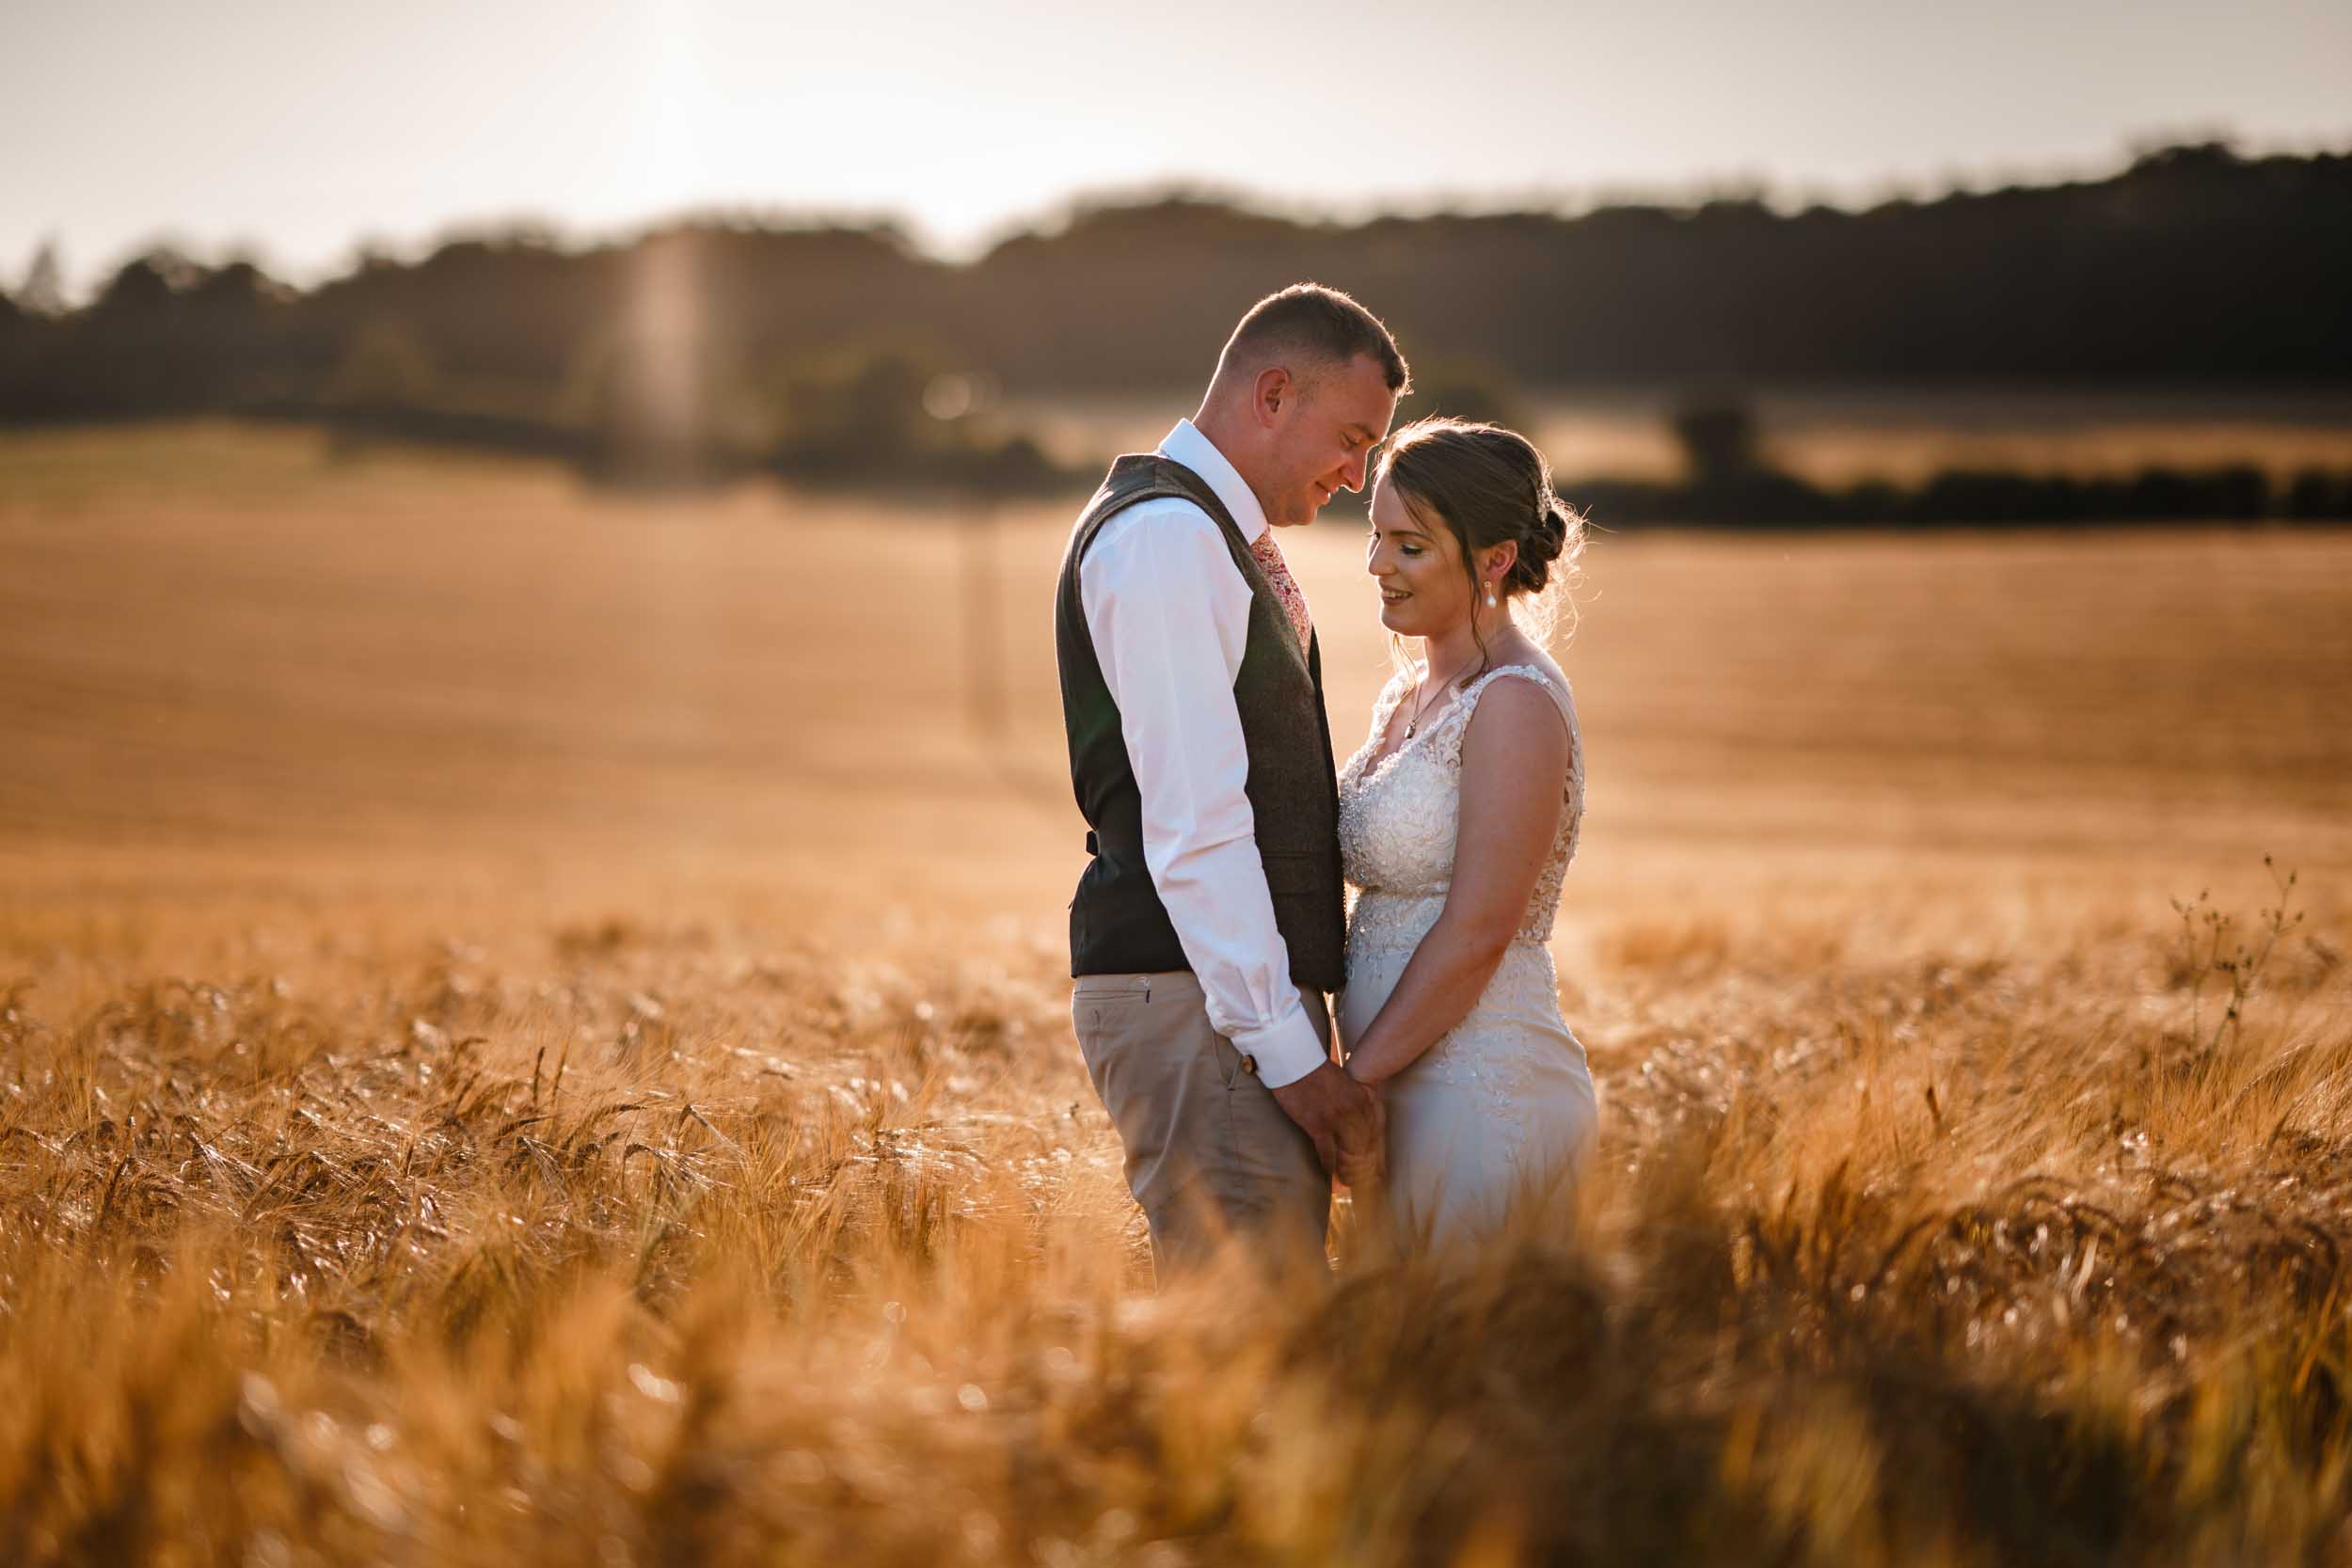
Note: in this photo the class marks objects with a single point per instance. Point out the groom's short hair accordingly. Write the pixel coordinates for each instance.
(1323, 323)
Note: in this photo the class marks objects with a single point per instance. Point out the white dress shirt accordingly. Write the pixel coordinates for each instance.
(1169, 616)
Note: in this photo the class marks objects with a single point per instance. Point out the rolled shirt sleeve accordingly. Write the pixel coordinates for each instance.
(1169, 616)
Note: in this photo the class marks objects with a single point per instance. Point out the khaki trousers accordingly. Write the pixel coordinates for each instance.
(1210, 1155)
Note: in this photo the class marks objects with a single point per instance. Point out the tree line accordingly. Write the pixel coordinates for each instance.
(710, 344)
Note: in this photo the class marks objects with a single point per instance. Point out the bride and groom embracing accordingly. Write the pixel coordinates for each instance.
(1213, 917)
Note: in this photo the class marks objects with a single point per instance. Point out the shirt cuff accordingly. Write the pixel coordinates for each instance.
(1286, 1050)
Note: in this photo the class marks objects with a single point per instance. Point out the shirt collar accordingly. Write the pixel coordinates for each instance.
(1186, 445)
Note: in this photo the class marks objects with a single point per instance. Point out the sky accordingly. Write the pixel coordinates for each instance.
(296, 133)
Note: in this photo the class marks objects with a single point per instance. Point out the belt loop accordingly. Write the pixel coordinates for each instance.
(1094, 844)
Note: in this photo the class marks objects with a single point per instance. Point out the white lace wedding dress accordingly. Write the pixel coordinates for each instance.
(1500, 1111)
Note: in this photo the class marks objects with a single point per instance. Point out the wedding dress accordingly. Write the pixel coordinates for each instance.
(1500, 1111)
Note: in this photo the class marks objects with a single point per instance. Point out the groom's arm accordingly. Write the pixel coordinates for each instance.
(1169, 616)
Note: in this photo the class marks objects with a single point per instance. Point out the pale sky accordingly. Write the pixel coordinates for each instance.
(294, 130)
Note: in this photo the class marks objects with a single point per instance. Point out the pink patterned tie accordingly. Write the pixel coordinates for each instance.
(1278, 575)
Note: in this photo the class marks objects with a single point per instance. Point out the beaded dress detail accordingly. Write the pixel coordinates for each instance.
(1503, 1102)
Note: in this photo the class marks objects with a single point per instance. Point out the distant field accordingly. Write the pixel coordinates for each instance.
(1837, 436)
(533, 1029)
(223, 643)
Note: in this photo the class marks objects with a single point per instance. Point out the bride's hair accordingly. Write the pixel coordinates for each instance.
(1490, 486)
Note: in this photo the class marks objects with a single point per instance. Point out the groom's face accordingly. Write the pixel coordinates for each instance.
(1325, 438)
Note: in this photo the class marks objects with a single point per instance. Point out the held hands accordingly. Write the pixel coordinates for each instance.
(1364, 1169)
(1344, 1119)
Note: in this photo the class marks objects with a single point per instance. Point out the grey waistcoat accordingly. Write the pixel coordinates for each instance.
(1117, 921)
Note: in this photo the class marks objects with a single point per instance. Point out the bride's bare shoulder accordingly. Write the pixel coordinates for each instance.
(1516, 725)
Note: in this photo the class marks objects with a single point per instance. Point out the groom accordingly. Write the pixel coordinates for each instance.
(1207, 926)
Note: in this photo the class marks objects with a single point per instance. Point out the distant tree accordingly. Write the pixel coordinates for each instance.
(1718, 440)
(385, 368)
(145, 284)
(239, 286)
(860, 413)
(656, 408)
(885, 416)
(18, 335)
(1464, 389)
(2213, 156)
(43, 292)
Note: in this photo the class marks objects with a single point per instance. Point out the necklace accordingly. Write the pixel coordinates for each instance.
(1420, 709)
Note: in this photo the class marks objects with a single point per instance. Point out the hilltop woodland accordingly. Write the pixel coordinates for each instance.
(846, 355)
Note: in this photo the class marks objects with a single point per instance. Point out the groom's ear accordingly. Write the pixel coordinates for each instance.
(1276, 391)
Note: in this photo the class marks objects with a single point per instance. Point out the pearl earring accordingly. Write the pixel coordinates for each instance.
(1490, 595)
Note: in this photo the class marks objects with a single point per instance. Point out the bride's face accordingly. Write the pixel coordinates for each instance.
(1423, 591)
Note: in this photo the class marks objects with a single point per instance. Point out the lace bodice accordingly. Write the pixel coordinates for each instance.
(1397, 817)
(1502, 1104)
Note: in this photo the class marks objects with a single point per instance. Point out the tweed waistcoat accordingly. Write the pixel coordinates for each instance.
(1117, 920)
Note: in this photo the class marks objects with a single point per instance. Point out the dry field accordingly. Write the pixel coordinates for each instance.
(531, 1030)
(1841, 436)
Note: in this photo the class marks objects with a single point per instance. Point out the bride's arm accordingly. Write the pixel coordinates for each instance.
(1515, 764)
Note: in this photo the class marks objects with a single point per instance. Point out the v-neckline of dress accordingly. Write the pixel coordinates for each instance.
(1379, 765)
(1421, 733)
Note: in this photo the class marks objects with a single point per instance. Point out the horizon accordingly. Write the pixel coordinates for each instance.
(305, 140)
(82, 282)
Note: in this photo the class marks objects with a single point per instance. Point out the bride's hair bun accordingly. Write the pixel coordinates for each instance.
(1492, 488)
(1548, 534)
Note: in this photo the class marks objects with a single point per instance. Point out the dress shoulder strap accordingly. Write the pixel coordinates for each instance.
(1457, 716)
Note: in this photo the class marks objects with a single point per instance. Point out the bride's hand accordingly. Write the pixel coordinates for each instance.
(1363, 1158)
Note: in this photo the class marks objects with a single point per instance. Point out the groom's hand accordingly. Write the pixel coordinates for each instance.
(1342, 1117)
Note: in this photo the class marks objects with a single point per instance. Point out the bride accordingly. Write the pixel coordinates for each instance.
(1457, 819)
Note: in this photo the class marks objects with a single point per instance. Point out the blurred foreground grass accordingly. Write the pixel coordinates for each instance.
(534, 1032)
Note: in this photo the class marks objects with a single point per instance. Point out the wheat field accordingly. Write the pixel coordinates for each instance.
(1838, 437)
(533, 1029)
